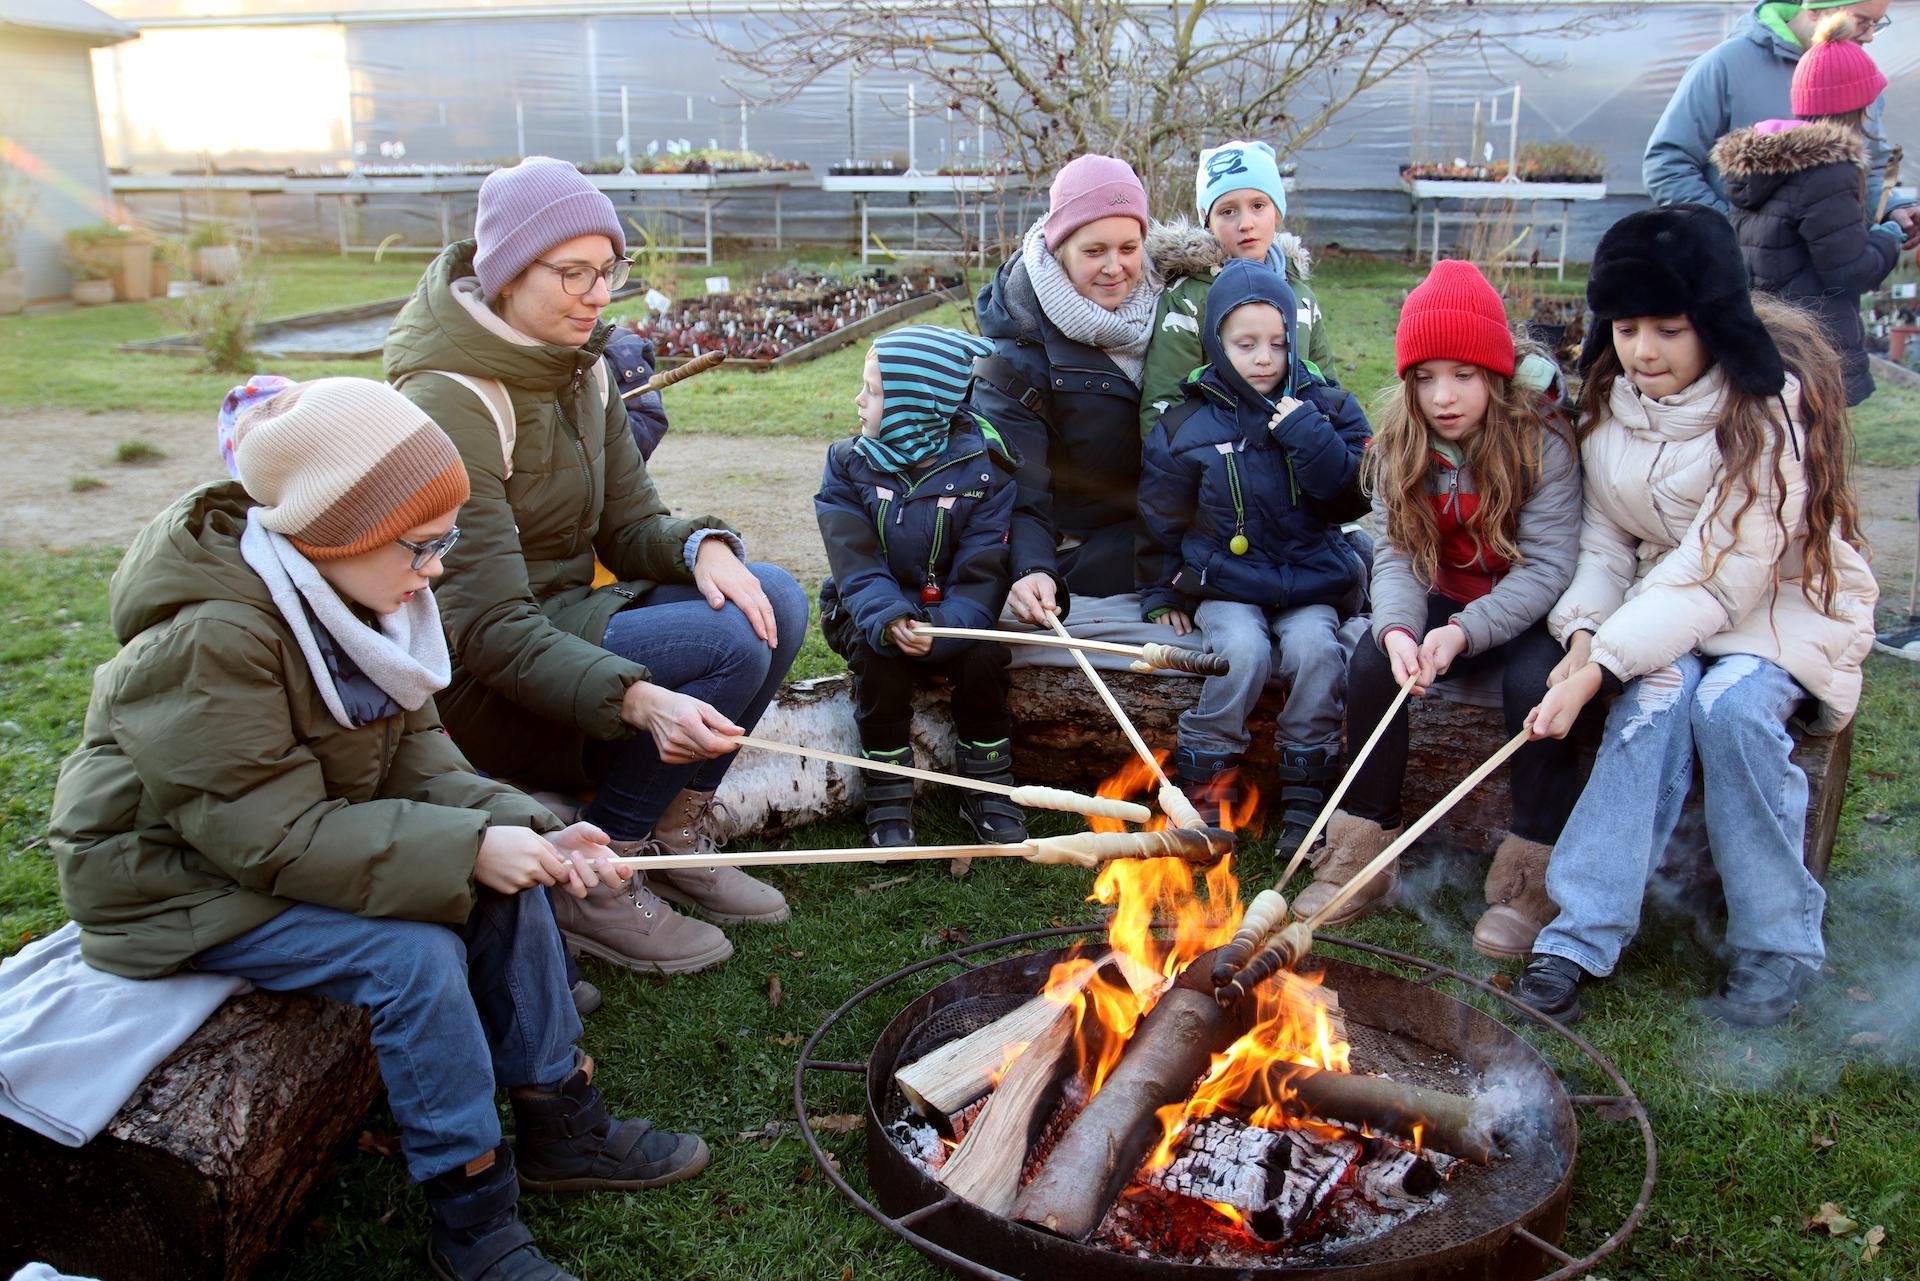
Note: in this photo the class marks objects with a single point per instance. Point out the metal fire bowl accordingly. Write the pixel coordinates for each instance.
(1503, 1221)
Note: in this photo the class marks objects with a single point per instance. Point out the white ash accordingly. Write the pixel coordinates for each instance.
(920, 1141)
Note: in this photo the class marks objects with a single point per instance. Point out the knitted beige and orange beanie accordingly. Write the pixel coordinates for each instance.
(344, 465)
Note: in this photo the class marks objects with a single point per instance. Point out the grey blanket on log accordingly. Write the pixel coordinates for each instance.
(76, 1042)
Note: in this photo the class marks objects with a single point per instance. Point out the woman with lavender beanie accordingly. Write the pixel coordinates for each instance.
(1070, 316)
(639, 687)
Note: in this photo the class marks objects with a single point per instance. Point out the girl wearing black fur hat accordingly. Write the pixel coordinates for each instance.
(1719, 588)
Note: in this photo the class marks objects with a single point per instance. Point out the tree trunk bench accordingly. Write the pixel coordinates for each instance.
(1065, 737)
(205, 1170)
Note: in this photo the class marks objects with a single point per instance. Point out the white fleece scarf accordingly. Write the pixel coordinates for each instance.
(407, 657)
(1121, 333)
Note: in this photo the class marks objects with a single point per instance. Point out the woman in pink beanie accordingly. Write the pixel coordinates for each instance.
(637, 687)
(1069, 316)
(1798, 192)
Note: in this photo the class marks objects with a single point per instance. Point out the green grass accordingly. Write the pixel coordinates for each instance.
(1743, 1119)
(137, 451)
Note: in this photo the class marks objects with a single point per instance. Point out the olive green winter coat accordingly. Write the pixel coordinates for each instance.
(531, 685)
(212, 789)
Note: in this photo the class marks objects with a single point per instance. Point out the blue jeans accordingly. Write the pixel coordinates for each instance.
(707, 653)
(1298, 644)
(457, 1012)
(1732, 712)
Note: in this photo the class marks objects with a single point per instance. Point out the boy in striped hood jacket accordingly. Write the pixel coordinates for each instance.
(916, 512)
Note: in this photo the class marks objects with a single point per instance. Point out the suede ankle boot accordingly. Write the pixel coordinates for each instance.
(1351, 844)
(1518, 906)
(630, 925)
(567, 1142)
(1211, 780)
(477, 1234)
(724, 894)
(889, 800)
(1306, 774)
(996, 820)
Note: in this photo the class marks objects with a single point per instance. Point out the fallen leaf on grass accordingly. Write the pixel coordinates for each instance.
(1833, 1220)
(1502, 981)
(877, 886)
(839, 1122)
(790, 1038)
(1878, 820)
(378, 1143)
(1884, 775)
(1859, 994)
(1831, 1135)
(1866, 1038)
(1875, 1235)
(773, 991)
(766, 1135)
(795, 953)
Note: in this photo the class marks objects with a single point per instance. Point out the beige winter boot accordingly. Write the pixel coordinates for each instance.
(1351, 844)
(629, 925)
(1517, 890)
(724, 894)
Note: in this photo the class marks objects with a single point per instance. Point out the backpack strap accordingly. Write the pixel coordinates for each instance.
(999, 373)
(493, 394)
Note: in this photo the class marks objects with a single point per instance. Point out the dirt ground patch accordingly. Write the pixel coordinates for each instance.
(762, 486)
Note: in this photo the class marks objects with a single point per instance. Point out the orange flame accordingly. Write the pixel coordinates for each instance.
(1134, 780)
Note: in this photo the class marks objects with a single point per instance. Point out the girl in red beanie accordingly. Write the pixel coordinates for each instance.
(1476, 499)
(1798, 190)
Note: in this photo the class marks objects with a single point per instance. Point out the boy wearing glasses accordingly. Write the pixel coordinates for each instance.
(262, 789)
(1747, 78)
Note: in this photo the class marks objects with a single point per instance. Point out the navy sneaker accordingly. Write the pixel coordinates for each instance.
(1551, 985)
(1760, 989)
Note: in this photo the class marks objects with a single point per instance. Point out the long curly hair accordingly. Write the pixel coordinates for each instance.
(1754, 434)
(1503, 457)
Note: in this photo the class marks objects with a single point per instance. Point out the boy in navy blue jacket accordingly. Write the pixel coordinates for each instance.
(1242, 489)
(915, 511)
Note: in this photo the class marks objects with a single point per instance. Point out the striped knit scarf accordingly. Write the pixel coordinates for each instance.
(1121, 333)
(924, 374)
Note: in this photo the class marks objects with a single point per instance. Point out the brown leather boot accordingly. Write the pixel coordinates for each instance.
(629, 925)
(1351, 844)
(1517, 891)
(724, 894)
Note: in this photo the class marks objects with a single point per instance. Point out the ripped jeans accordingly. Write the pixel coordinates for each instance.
(1731, 712)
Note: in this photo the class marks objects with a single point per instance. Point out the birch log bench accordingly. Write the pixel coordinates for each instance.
(1065, 737)
(206, 1169)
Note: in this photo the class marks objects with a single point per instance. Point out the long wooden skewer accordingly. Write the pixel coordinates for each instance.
(1044, 798)
(1149, 657)
(1293, 942)
(668, 377)
(1173, 802)
(1082, 849)
(1268, 911)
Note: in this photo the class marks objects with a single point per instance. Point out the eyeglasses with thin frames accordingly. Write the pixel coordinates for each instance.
(425, 553)
(578, 279)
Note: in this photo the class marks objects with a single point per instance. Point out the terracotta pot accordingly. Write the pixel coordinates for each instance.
(13, 291)
(132, 267)
(91, 293)
(217, 264)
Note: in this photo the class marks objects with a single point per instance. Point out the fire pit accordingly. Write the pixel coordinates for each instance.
(1399, 1211)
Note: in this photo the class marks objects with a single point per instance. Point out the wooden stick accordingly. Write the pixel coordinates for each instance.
(1150, 657)
(1178, 809)
(985, 1168)
(1419, 828)
(668, 377)
(1083, 849)
(1268, 911)
(1044, 798)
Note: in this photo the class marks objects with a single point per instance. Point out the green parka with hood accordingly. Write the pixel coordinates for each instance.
(212, 789)
(531, 685)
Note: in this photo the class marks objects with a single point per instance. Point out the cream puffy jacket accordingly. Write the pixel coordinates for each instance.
(1653, 474)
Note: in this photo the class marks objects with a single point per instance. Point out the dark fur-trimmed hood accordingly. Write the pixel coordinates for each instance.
(1747, 153)
(1185, 248)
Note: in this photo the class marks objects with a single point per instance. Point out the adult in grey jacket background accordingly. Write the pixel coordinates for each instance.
(1743, 80)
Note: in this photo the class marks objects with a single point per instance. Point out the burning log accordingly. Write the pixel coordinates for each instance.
(985, 1168)
(1101, 1150)
(942, 1083)
(1450, 1123)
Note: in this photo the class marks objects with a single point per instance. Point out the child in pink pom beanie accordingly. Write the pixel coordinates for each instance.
(1798, 190)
